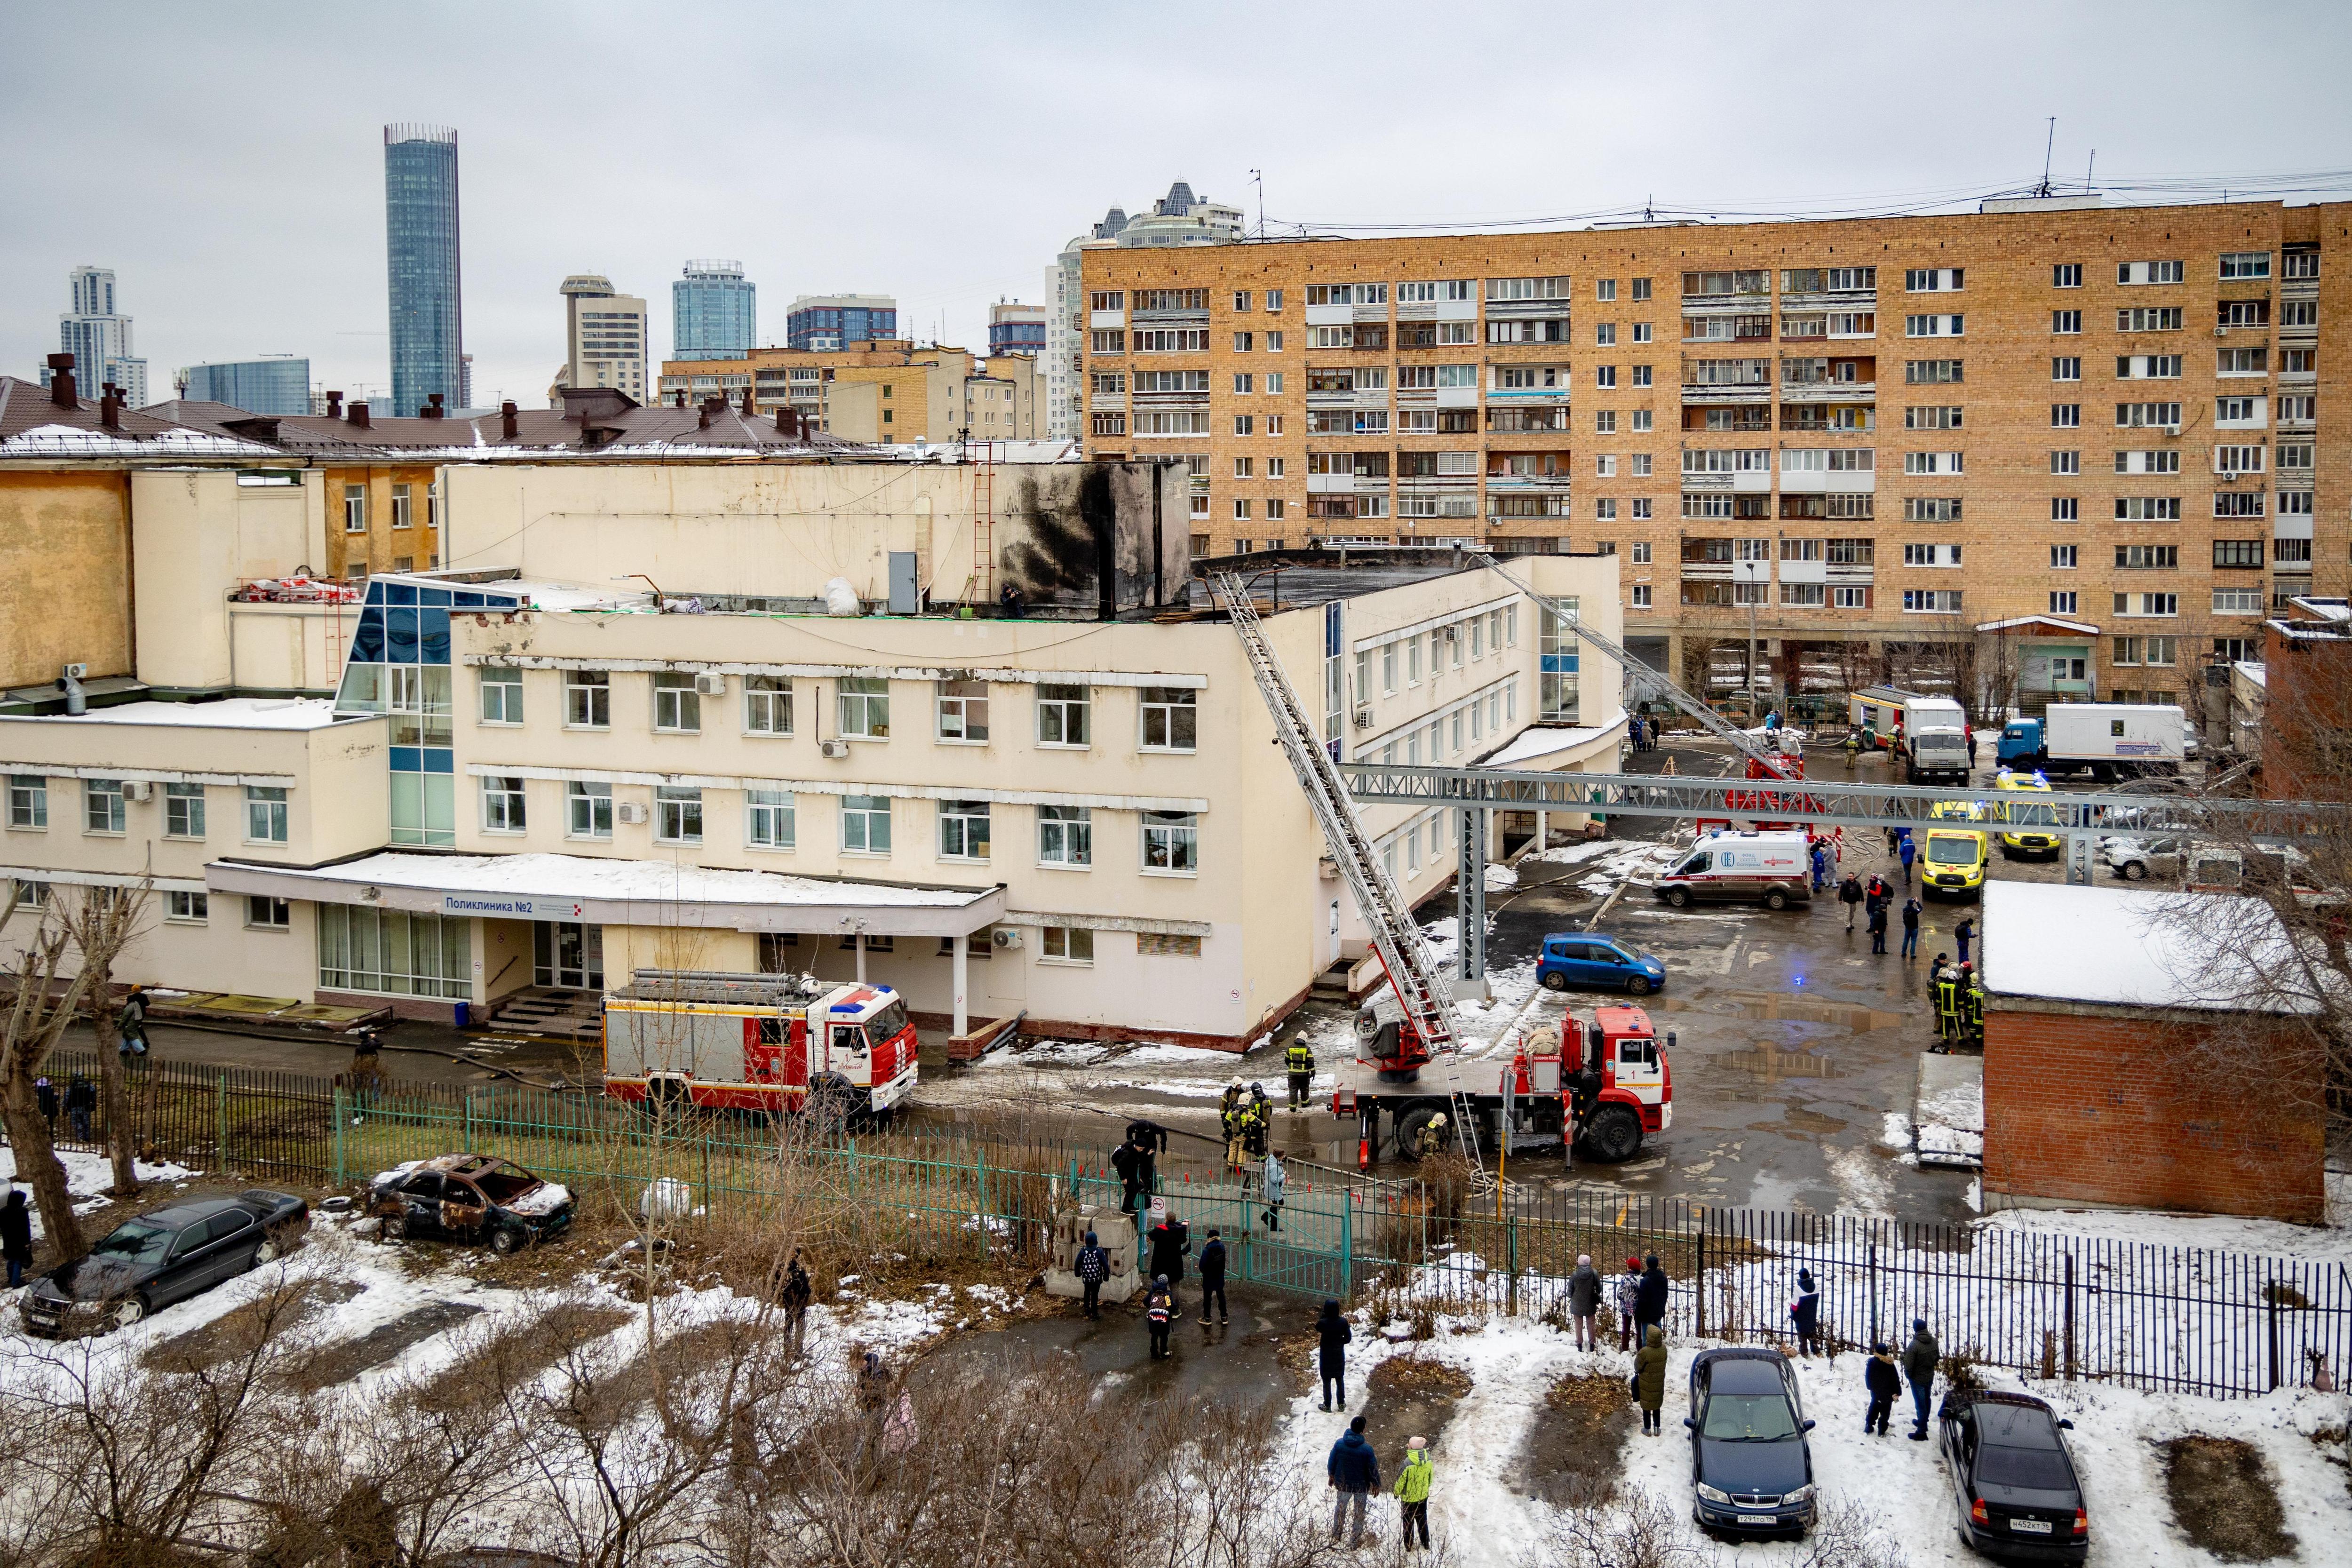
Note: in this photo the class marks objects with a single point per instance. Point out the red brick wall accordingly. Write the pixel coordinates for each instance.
(2307, 712)
(2114, 1111)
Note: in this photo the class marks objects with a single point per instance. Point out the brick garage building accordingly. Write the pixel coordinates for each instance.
(2113, 1073)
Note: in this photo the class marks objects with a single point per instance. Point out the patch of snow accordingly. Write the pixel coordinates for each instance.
(1500, 879)
(544, 1198)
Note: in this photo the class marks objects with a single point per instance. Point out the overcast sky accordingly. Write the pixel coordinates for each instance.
(227, 161)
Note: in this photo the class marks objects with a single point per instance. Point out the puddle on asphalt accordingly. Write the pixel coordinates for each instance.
(1777, 1005)
(1771, 1066)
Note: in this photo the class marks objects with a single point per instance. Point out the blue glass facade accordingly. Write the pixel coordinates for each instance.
(714, 313)
(399, 664)
(256, 385)
(1017, 337)
(838, 326)
(420, 211)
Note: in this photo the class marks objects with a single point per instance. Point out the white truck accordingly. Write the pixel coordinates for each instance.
(2106, 740)
(1930, 734)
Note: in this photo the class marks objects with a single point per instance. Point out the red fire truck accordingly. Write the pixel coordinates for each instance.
(1607, 1079)
(758, 1042)
(1767, 803)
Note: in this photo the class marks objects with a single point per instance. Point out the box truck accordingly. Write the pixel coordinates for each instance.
(2106, 740)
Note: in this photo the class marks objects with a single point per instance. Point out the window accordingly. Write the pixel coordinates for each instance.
(1642, 375)
(2146, 462)
(1171, 842)
(1065, 835)
(1641, 417)
(1932, 462)
(2245, 264)
(1062, 715)
(866, 825)
(2139, 272)
(2290, 410)
(1604, 376)
(1944, 418)
(769, 820)
(2066, 415)
(102, 806)
(1275, 509)
(400, 506)
(1241, 346)
(265, 913)
(1170, 712)
(1604, 335)
(1931, 554)
(1931, 509)
(2135, 415)
(2299, 264)
(588, 809)
(2237, 552)
(1804, 594)
(1641, 596)
(1931, 601)
(187, 908)
(2292, 552)
(2294, 453)
(502, 804)
(963, 830)
(501, 694)
(2144, 367)
(2295, 503)
(1932, 279)
(1933, 326)
(863, 703)
(2226, 602)
(2065, 323)
(2065, 509)
(2147, 508)
(2164, 603)
(767, 705)
(28, 800)
(2148, 557)
(1932, 372)
(1107, 340)
(1242, 379)
(1273, 346)
(678, 706)
(1244, 425)
(183, 811)
(1108, 424)
(587, 700)
(2242, 362)
(678, 815)
(2238, 504)
(2066, 275)
(2070, 368)
(354, 508)
(1065, 945)
(2063, 602)
(2064, 557)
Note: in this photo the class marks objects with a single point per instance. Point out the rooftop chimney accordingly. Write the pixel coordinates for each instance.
(358, 415)
(506, 421)
(748, 409)
(109, 408)
(61, 382)
(787, 422)
(335, 405)
(432, 409)
(704, 423)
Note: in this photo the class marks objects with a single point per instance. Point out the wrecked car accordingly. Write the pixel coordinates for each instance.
(468, 1197)
(158, 1259)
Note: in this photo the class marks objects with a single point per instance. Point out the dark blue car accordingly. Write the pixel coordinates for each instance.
(1588, 959)
(1750, 1465)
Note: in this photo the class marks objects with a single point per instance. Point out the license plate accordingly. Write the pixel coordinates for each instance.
(1763, 1519)
(2030, 1526)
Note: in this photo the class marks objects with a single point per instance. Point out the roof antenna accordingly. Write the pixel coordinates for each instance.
(1257, 178)
(2088, 167)
(1647, 214)
(2048, 146)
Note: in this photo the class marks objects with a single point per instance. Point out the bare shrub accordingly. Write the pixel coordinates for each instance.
(1847, 1536)
(1641, 1530)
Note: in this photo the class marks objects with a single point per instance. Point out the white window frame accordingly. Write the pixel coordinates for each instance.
(860, 815)
(183, 811)
(768, 706)
(266, 813)
(770, 820)
(678, 706)
(678, 815)
(1172, 844)
(587, 700)
(1058, 711)
(862, 713)
(957, 819)
(960, 717)
(505, 809)
(588, 810)
(1070, 946)
(1065, 838)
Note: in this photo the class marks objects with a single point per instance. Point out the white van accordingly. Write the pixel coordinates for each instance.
(1732, 867)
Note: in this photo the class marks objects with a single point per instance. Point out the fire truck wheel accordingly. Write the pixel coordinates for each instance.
(1638, 986)
(1408, 1129)
(1679, 898)
(1613, 1134)
(1555, 981)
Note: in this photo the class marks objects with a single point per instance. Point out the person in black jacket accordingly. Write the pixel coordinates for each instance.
(1212, 1275)
(82, 1100)
(1092, 1268)
(1169, 1244)
(1878, 1376)
(1850, 894)
(1878, 929)
(1649, 1302)
(1333, 1334)
(15, 1235)
(1805, 1311)
(44, 1097)
(796, 1293)
(1133, 1162)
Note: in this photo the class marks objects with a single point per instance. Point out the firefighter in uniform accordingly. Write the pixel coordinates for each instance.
(1432, 1138)
(1229, 1120)
(1971, 1005)
(1258, 1117)
(1300, 1061)
(1947, 1004)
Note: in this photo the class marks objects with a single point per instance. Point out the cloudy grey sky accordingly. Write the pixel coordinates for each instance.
(227, 161)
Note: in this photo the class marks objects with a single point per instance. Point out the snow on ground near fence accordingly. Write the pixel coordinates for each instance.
(88, 1177)
(1901, 1485)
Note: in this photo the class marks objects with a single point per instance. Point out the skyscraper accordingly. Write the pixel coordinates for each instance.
(604, 331)
(420, 211)
(840, 320)
(98, 339)
(1016, 328)
(1179, 218)
(714, 312)
(280, 384)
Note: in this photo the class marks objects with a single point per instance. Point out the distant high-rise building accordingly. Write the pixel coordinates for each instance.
(714, 311)
(100, 339)
(840, 320)
(280, 384)
(1016, 328)
(606, 334)
(420, 209)
(1176, 218)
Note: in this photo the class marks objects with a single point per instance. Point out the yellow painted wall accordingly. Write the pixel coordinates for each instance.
(64, 559)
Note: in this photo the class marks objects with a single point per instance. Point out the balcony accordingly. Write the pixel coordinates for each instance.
(1437, 311)
(1107, 317)
(1723, 421)
(1544, 420)
(1529, 484)
(1109, 402)
(1331, 315)
(1527, 396)
(1439, 397)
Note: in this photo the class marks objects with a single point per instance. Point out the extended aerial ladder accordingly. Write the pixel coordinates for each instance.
(1414, 971)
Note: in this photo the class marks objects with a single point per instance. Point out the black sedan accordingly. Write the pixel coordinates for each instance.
(2013, 1479)
(1750, 1465)
(469, 1197)
(158, 1259)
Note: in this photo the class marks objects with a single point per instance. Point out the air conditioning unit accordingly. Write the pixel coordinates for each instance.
(138, 789)
(833, 746)
(710, 683)
(632, 812)
(1005, 937)
(1363, 715)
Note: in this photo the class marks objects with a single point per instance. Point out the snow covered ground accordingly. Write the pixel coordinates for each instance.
(88, 1177)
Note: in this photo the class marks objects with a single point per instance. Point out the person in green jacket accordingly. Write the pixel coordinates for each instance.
(1412, 1492)
(1650, 1378)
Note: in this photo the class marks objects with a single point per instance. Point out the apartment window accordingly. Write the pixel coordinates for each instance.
(2290, 410)
(1641, 596)
(1932, 462)
(501, 696)
(1107, 300)
(1642, 332)
(1275, 507)
(2065, 509)
(2145, 367)
(2299, 264)
(2292, 552)
(355, 509)
(1808, 596)
(1171, 843)
(1944, 418)
(866, 825)
(2067, 368)
(1933, 326)
(2147, 462)
(587, 700)
(1604, 376)
(1642, 418)
(2064, 602)
(963, 830)
(2226, 602)
(864, 704)
(1108, 424)
(1604, 335)
(767, 819)
(1170, 713)
(678, 815)
(1931, 554)
(588, 809)
(767, 705)
(1931, 601)
(102, 806)
(1932, 279)
(2231, 554)
(2238, 504)
(1107, 340)
(1642, 375)
(2064, 557)
(2136, 415)
(1065, 945)
(1241, 299)
(2295, 503)
(183, 811)
(2242, 362)
(1241, 384)
(1273, 384)
(1065, 835)
(502, 804)
(2065, 323)
(265, 913)
(1412, 660)
(2147, 508)
(1640, 289)
(187, 908)
(2066, 415)
(1604, 422)
(1062, 715)
(1241, 346)
(1931, 509)
(2066, 275)
(678, 706)
(2245, 264)
(2294, 453)
(962, 710)
(2143, 272)
(1933, 371)
(28, 800)
(2166, 603)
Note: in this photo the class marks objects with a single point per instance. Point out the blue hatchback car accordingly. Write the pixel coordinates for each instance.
(1590, 959)
(1750, 1465)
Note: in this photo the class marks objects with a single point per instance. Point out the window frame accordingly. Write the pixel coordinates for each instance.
(29, 803)
(963, 815)
(593, 697)
(505, 806)
(189, 798)
(685, 802)
(963, 702)
(1052, 699)
(1065, 838)
(581, 799)
(1178, 833)
(779, 810)
(507, 682)
(98, 817)
(866, 810)
(857, 694)
(677, 703)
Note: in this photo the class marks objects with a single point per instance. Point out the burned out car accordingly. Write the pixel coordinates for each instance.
(150, 1262)
(469, 1197)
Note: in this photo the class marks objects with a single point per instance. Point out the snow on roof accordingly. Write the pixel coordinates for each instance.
(611, 880)
(2323, 609)
(229, 713)
(2122, 947)
(1534, 743)
(72, 440)
(2079, 629)
(2253, 669)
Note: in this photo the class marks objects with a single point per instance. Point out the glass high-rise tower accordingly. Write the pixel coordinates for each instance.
(420, 211)
(714, 311)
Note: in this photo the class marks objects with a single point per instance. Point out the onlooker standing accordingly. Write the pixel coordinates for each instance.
(1878, 1376)
(44, 1097)
(1649, 1303)
(1212, 1275)
(1878, 929)
(1169, 1244)
(1270, 1180)
(1629, 1301)
(1820, 866)
(82, 1100)
(796, 1294)
(1584, 1300)
(1650, 1376)
(16, 1236)
(131, 1026)
(1355, 1474)
(1805, 1311)
(1919, 1359)
(1092, 1266)
(1906, 852)
(1911, 910)
(1965, 933)
(1850, 894)
(1333, 1334)
(1412, 1492)
(1158, 1311)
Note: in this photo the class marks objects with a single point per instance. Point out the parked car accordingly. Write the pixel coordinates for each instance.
(150, 1262)
(1592, 958)
(1731, 866)
(1750, 1465)
(2137, 860)
(469, 1197)
(2013, 1479)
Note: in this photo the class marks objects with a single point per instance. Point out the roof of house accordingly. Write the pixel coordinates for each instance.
(33, 423)
(2134, 947)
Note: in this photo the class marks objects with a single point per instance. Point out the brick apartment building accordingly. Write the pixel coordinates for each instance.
(2083, 439)
(2306, 709)
(884, 391)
